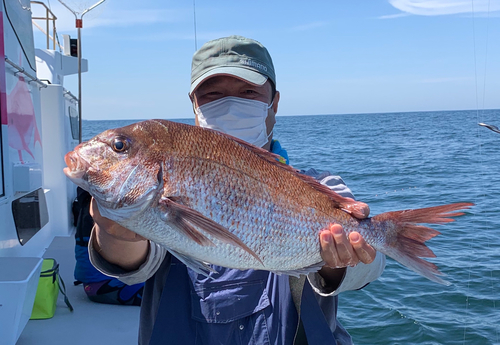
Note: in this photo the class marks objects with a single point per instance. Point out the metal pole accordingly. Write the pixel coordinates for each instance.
(79, 86)
(47, 24)
(79, 25)
(54, 33)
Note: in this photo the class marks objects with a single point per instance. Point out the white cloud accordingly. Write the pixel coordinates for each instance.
(135, 17)
(309, 26)
(392, 16)
(444, 7)
(108, 15)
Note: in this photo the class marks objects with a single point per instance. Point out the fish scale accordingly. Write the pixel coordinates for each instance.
(253, 215)
(212, 198)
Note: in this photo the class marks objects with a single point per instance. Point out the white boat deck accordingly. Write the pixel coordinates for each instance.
(89, 323)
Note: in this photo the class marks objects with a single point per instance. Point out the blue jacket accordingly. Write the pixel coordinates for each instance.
(234, 307)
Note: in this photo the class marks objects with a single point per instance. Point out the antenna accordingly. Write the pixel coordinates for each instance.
(79, 25)
(194, 19)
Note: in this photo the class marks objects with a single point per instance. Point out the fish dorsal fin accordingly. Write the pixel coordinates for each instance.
(356, 208)
(262, 153)
(186, 219)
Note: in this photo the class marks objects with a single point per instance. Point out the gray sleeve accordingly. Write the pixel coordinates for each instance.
(355, 277)
(144, 272)
(333, 182)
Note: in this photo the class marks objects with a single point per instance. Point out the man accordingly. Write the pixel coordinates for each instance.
(233, 89)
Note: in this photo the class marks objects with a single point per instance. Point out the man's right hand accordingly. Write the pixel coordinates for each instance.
(116, 244)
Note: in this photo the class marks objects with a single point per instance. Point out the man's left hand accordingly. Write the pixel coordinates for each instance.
(338, 250)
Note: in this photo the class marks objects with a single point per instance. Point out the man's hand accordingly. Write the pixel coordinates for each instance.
(338, 251)
(117, 244)
(112, 228)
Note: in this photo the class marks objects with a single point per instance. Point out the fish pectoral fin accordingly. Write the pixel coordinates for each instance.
(173, 213)
(179, 199)
(185, 219)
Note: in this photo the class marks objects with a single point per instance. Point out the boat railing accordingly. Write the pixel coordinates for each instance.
(49, 17)
(21, 70)
(70, 96)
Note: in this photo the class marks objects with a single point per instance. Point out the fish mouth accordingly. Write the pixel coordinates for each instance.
(76, 167)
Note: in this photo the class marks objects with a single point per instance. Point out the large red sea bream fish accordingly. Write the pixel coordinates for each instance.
(210, 198)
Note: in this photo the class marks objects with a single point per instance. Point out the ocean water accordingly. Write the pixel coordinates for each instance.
(411, 160)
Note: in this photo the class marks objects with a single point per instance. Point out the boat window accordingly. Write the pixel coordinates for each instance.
(74, 122)
(30, 215)
(18, 15)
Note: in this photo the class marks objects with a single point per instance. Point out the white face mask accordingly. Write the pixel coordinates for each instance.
(242, 118)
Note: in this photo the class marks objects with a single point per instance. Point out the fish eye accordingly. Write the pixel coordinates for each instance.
(119, 145)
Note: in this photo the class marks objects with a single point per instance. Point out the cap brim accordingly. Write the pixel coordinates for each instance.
(241, 73)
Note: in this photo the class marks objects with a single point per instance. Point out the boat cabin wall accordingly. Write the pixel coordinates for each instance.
(35, 133)
(58, 113)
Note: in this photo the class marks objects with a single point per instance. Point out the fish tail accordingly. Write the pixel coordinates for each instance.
(405, 239)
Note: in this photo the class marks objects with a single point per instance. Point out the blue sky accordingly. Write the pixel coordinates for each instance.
(331, 57)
